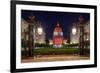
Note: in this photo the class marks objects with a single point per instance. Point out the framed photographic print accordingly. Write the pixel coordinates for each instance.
(52, 36)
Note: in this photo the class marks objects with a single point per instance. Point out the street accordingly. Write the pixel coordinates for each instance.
(49, 58)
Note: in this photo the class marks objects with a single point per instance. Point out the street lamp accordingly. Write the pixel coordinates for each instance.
(31, 25)
(81, 38)
(74, 31)
(40, 30)
(80, 26)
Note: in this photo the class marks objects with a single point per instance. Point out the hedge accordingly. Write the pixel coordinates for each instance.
(56, 51)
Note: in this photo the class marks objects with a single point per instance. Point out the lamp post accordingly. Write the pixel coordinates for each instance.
(80, 25)
(81, 38)
(40, 33)
(31, 21)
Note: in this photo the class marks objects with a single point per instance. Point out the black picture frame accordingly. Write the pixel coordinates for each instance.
(13, 36)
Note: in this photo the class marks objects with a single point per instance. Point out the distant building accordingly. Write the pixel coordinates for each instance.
(74, 38)
(37, 37)
(58, 39)
(65, 41)
(50, 42)
(24, 29)
(58, 36)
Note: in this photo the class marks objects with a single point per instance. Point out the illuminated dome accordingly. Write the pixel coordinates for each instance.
(58, 36)
(58, 30)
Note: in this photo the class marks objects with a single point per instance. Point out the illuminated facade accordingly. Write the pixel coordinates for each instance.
(74, 38)
(38, 38)
(58, 37)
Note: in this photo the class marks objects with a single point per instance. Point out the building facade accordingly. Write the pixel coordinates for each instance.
(58, 36)
(74, 38)
(38, 38)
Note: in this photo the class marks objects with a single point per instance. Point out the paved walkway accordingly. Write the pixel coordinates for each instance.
(48, 58)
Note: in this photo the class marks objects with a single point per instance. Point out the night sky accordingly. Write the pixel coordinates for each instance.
(49, 20)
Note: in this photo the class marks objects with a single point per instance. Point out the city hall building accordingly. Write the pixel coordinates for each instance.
(57, 36)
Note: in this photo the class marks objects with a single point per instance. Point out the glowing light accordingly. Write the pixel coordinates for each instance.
(87, 39)
(74, 31)
(40, 30)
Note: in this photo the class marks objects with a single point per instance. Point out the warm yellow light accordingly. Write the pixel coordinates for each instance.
(74, 31)
(50, 43)
(87, 39)
(40, 30)
(55, 33)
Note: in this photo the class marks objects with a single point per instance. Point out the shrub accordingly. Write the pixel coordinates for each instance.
(55, 51)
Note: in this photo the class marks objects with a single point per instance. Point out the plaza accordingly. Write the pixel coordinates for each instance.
(52, 58)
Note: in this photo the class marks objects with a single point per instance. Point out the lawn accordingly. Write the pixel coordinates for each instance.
(55, 51)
